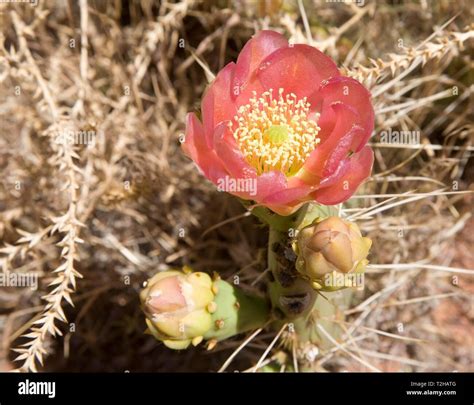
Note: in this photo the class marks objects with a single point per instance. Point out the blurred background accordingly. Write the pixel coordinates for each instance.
(96, 195)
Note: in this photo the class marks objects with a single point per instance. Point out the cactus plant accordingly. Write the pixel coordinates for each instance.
(290, 132)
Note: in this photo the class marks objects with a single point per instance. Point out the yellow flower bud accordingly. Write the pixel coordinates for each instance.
(177, 306)
(330, 252)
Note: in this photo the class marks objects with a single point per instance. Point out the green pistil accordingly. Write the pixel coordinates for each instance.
(277, 134)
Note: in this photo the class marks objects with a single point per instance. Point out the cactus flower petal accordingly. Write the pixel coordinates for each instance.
(351, 93)
(299, 69)
(196, 148)
(232, 158)
(217, 105)
(321, 162)
(253, 53)
(358, 169)
(166, 296)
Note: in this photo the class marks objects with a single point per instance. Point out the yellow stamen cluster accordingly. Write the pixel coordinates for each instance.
(274, 132)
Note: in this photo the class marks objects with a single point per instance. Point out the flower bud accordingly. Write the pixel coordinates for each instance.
(329, 250)
(178, 307)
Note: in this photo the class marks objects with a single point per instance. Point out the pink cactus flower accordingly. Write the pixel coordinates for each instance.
(282, 127)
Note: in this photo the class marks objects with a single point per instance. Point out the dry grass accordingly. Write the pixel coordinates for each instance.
(130, 203)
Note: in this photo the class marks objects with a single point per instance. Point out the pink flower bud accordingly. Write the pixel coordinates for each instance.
(178, 306)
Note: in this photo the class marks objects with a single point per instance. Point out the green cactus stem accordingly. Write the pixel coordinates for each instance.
(236, 312)
(293, 298)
